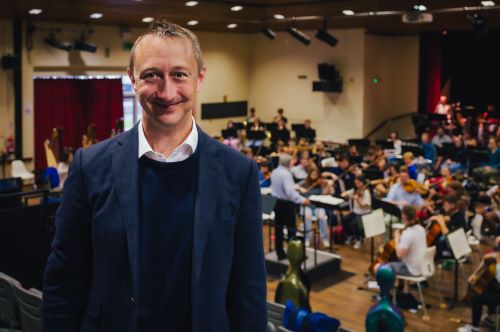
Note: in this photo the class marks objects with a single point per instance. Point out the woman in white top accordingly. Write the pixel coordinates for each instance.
(361, 203)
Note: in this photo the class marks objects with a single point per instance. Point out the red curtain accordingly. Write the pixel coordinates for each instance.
(430, 70)
(74, 104)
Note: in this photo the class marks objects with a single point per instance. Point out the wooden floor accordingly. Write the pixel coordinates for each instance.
(344, 301)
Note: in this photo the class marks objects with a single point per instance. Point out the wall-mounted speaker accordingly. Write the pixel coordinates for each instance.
(10, 61)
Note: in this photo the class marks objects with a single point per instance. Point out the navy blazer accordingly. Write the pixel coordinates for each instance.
(90, 277)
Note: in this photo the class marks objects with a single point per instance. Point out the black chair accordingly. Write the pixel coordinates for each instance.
(9, 310)
(7, 187)
(30, 308)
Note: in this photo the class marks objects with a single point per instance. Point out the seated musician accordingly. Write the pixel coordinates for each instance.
(490, 297)
(255, 126)
(361, 204)
(354, 154)
(382, 186)
(452, 220)
(264, 174)
(281, 133)
(410, 245)
(315, 185)
(408, 159)
(442, 107)
(492, 166)
(299, 171)
(404, 192)
(232, 139)
(309, 133)
(458, 157)
(440, 138)
(343, 175)
(394, 138)
(429, 150)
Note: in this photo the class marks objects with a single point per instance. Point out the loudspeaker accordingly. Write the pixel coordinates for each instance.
(327, 86)
(327, 72)
(10, 61)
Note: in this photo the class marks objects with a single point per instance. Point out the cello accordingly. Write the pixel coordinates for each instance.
(480, 279)
(387, 254)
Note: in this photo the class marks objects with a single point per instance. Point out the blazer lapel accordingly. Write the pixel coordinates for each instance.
(209, 171)
(125, 176)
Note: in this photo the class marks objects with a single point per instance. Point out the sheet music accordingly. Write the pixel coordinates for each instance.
(373, 223)
(265, 191)
(326, 199)
(458, 243)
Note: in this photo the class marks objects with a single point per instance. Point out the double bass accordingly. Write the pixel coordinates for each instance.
(480, 279)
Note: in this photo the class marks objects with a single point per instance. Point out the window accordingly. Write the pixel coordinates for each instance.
(132, 110)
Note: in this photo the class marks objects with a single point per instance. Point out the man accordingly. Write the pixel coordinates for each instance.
(343, 175)
(283, 188)
(160, 227)
(280, 116)
(429, 150)
(440, 138)
(402, 193)
(491, 167)
(442, 106)
(410, 245)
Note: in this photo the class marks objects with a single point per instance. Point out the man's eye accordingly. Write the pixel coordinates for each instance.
(179, 74)
(151, 75)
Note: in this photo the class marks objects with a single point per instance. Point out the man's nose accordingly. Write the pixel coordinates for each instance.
(167, 89)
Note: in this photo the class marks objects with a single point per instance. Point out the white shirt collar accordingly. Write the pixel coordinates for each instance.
(180, 153)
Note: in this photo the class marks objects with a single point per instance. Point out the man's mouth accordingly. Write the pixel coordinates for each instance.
(166, 106)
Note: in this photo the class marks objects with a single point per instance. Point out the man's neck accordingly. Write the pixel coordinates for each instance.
(165, 140)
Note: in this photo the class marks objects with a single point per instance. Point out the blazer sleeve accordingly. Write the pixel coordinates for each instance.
(67, 273)
(246, 302)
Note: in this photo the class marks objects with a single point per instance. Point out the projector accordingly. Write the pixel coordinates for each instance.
(416, 17)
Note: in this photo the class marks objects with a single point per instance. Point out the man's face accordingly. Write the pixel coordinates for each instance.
(403, 177)
(166, 80)
(447, 207)
(492, 144)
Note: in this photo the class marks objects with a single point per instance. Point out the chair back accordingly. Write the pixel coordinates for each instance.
(275, 312)
(8, 306)
(18, 168)
(428, 267)
(30, 307)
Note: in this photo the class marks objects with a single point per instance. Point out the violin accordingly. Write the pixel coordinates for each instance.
(412, 186)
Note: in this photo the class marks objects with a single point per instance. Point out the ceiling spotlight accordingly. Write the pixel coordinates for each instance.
(269, 33)
(96, 15)
(420, 8)
(347, 12)
(148, 19)
(487, 3)
(236, 8)
(52, 41)
(278, 16)
(193, 22)
(299, 35)
(324, 36)
(232, 25)
(191, 3)
(35, 11)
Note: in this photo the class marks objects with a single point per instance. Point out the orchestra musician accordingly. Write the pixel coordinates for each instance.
(452, 220)
(316, 185)
(300, 171)
(442, 107)
(280, 133)
(343, 175)
(283, 188)
(490, 297)
(410, 245)
(264, 174)
(361, 204)
(405, 192)
(408, 159)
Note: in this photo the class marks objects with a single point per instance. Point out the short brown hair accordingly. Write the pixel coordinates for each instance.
(163, 28)
(410, 212)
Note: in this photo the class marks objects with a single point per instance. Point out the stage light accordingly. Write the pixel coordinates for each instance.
(148, 19)
(35, 11)
(82, 45)
(488, 3)
(232, 25)
(278, 16)
(420, 8)
(193, 22)
(326, 37)
(347, 12)
(299, 35)
(96, 16)
(269, 33)
(191, 3)
(52, 41)
(236, 8)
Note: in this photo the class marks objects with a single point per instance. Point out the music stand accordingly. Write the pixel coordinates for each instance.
(373, 174)
(238, 125)
(373, 225)
(459, 245)
(268, 204)
(229, 133)
(389, 208)
(385, 144)
(415, 149)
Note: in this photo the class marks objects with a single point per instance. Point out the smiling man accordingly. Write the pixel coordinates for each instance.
(160, 227)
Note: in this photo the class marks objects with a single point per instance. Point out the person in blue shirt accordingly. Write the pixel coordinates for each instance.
(408, 158)
(264, 175)
(428, 148)
(402, 197)
(491, 167)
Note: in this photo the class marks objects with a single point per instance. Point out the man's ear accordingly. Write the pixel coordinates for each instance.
(201, 79)
(131, 76)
